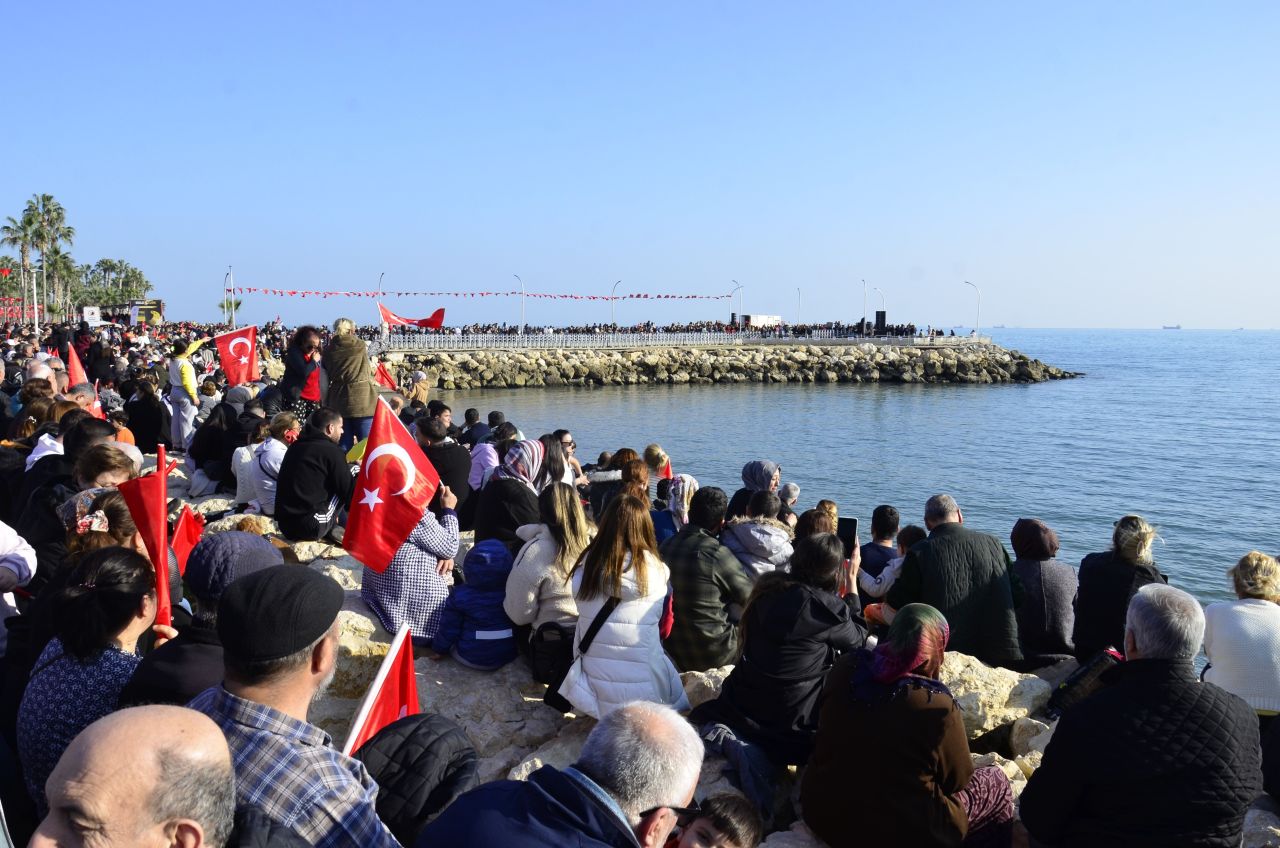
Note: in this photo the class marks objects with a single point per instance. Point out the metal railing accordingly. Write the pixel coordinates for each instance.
(411, 342)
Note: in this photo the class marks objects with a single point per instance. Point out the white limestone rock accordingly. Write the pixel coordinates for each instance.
(703, 686)
(1028, 735)
(1261, 829)
(1017, 779)
(991, 697)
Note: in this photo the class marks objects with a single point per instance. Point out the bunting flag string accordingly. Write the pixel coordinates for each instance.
(517, 293)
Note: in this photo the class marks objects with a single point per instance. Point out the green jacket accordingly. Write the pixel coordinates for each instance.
(706, 578)
(352, 392)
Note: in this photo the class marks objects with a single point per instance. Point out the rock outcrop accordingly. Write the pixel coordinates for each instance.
(991, 697)
(772, 363)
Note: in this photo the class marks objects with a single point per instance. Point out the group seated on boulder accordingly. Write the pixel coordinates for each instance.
(679, 637)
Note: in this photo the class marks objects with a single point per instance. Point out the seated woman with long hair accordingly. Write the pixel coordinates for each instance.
(890, 763)
(107, 603)
(1108, 581)
(625, 662)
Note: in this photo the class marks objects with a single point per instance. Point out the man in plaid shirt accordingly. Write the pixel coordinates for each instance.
(706, 580)
(278, 629)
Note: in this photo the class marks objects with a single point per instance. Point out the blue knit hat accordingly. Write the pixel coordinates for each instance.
(221, 558)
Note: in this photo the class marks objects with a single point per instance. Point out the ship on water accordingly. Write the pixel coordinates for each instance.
(1172, 327)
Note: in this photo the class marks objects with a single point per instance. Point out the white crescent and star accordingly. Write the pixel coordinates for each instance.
(231, 348)
(394, 450)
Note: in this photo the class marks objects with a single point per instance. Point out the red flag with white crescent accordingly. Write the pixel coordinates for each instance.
(393, 695)
(384, 378)
(238, 352)
(395, 484)
(432, 322)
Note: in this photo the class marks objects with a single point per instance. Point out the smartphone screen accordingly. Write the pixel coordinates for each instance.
(847, 530)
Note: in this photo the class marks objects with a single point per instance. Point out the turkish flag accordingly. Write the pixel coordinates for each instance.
(75, 370)
(95, 409)
(395, 484)
(393, 695)
(434, 322)
(186, 534)
(384, 378)
(238, 352)
(148, 501)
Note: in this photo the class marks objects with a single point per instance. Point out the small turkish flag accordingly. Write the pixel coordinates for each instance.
(238, 352)
(395, 484)
(433, 322)
(95, 409)
(393, 695)
(384, 378)
(148, 501)
(186, 534)
(75, 370)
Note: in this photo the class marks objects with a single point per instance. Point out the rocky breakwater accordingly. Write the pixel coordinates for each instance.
(854, 363)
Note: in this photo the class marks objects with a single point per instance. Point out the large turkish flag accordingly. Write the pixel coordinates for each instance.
(395, 484)
(238, 352)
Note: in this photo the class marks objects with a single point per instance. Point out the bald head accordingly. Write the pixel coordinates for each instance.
(35, 368)
(147, 776)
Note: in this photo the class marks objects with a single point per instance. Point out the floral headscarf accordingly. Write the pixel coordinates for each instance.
(915, 645)
(682, 488)
(483, 458)
(758, 474)
(523, 462)
(77, 506)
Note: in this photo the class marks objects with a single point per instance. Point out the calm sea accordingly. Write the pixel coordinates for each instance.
(1175, 425)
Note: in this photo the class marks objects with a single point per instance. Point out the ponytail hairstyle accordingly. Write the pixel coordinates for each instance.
(635, 479)
(1133, 539)
(102, 595)
(561, 510)
(107, 524)
(625, 540)
(33, 413)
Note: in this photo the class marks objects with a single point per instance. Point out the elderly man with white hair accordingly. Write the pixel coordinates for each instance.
(1154, 758)
(632, 785)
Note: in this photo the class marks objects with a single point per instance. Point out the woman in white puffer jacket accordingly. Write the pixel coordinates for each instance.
(625, 662)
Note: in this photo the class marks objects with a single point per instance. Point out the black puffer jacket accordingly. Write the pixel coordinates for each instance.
(964, 575)
(1156, 758)
(1107, 583)
(421, 763)
(254, 830)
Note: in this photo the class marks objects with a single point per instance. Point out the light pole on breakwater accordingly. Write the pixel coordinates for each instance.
(229, 293)
(613, 304)
(517, 276)
(737, 288)
(797, 306)
(977, 320)
(864, 309)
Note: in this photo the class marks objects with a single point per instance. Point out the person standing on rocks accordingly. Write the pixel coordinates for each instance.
(279, 634)
(352, 391)
(632, 785)
(964, 575)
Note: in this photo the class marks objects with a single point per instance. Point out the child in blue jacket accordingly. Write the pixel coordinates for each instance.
(474, 629)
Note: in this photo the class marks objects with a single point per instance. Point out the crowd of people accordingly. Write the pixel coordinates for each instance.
(607, 579)
(781, 330)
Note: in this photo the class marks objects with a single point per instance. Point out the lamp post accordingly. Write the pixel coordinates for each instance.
(613, 304)
(864, 309)
(228, 295)
(517, 276)
(977, 320)
(737, 288)
(380, 276)
(882, 309)
(797, 306)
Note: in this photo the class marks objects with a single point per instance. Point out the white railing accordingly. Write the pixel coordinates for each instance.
(615, 341)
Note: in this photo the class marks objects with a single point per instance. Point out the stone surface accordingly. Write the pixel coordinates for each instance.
(759, 363)
(1017, 778)
(1029, 735)
(1261, 828)
(990, 697)
(702, 686)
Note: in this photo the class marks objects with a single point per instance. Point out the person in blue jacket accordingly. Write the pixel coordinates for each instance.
(474, 629)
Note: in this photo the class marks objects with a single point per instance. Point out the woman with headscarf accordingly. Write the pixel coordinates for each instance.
(759, 475)
(890, 763)
(670, 521)
(1045, 615)
(510, 499)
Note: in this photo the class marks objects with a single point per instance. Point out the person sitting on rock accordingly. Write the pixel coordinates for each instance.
(1108, 580)
(279, 634)
(450, 460)
(185, 666)
(759, 475)
(1045, 613)
(759, 540)
(474, 628)
(709, 587)
(1156, 757)
(888, 709)
(794, 627)
(268, 456)
(605, 482)
(315, 483)
(620, 580)
(631, 785)
(873, 588)
(965, 576)
(509, 500)
(413, 588)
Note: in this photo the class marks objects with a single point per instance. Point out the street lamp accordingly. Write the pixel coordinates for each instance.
(882, 309)
(380, 276)
(228, 296)
(737, 288)
(797, 306)
(978, 319)
(613, 304)
(517, 276)
(864, 309)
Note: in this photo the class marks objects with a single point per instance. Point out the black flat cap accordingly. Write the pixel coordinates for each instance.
(278, 611)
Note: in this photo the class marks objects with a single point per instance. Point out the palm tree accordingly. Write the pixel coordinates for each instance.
(59, 265)
(21, 233)
(51, 222)
(228, 305)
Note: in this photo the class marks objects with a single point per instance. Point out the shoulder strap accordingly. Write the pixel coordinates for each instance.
(596, 624)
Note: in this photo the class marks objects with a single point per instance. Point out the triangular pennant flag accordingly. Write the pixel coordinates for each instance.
(186, 534)
(75, 369)
(384, 378)
(147, 499)
(392, 696)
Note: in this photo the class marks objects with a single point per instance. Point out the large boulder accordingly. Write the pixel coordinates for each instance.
(703, 686)
(1261, 828)
(991, 697)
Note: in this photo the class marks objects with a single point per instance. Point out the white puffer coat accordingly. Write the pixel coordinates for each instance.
(626, 661)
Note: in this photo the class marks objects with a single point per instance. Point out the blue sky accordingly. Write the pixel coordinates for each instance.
(1087, 164)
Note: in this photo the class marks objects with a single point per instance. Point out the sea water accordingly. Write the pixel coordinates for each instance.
(1175, 425)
